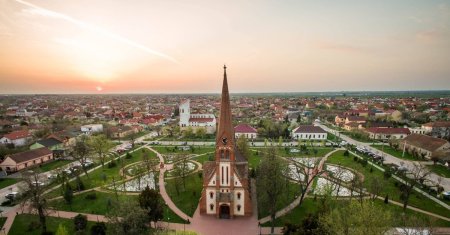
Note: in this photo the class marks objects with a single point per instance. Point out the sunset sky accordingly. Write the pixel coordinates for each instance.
(170, 46)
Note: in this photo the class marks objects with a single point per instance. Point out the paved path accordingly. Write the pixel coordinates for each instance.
(296, 202)
(444, 182)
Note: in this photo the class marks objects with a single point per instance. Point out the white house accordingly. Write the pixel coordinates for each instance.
(18, 138)
(309, 132)
(387, 133)
(196, 120)
(92, 128)
(246, 130)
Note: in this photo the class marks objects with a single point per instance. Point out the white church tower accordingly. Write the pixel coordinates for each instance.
(185, 113)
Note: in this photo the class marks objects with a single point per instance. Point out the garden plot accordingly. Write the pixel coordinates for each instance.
(170, 158)
(136, 185)
(340, 173)
(308, 162)
(324, 186)
(294, 173)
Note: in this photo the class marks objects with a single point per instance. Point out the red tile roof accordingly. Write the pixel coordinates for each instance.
(379, 130)
(30, 155)
(17, 135)
(201, 119)
(244, 128)
(309, 129)
(425, 142)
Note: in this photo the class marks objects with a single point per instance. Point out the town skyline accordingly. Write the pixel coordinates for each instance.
(89, 47)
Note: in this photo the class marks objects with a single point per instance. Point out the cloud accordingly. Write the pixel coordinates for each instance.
(39, 11)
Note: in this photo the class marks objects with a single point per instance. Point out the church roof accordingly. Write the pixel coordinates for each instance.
(225, 124)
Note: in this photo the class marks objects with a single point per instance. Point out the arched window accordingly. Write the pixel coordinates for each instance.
(211, 206)
(222, 154)
(239, 207)
(211, 195)
(239, 195)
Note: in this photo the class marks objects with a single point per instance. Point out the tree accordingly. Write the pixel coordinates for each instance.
(61, 230)
(98, 228)
(305, 173)
(100, 144)
(417, 174)
(127, 217)
(80, 222)
(376, 186)
(200, 132)
(181, 169)
(354, 218)
(151, 201)
(80, 153)
(242, 146)
(271, 182)
(68, 194)
(33, 197)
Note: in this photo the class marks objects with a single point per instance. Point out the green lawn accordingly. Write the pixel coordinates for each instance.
(289, 195)
(21, 224)
(396, 153)
(203, 158)
(53, 165)
(310, 206)
(359, 136)
(2, 221)
(254, 159)
(5, 182)
(389, 187)
(188, 198)
(105, 176)
(81, 204)
(440, 170)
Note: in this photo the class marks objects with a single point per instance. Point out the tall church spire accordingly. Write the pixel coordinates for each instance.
(225, 129)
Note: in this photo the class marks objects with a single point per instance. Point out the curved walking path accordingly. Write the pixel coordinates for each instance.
(296, 202)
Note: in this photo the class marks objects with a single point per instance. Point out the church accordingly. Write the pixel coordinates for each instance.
(195, 120)
(226, 189)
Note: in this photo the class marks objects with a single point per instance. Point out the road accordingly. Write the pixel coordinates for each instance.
(444, 182)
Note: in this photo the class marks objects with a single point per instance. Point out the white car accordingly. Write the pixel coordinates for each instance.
(11, 195)
(38, 183)
(294, 151)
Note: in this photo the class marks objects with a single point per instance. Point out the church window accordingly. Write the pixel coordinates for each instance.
(222, 175)
(211, 195)
(227, 174)
(239, 196)
(239, 207)
(222, 154)
(211, 206)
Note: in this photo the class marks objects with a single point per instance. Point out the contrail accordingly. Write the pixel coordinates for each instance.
(96, 29)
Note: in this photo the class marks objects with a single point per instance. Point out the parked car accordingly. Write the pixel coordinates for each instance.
(38, 183)
(11, 195)
(294, 151)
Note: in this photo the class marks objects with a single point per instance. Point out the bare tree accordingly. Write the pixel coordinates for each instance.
(416, 175)
(100, 144)
(33, 197)
(305, 173)
(80, 152)
(376, 186)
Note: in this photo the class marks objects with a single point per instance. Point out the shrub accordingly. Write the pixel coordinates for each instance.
(80, 222)
(371, 170)
(98, 228)
(396, 184)
(364, 162)
(346, 153)
(355, 158)
(47, 233)
(79, 184)
(91, 196)
(386, 199)
(128, 156)
(387, 174)
(112, 164)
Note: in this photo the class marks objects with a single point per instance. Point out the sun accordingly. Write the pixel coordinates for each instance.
(98, 88)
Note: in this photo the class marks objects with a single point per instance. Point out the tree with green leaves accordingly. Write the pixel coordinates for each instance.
(80, 222)
(127, 217)
(200, 132)
(271, 183)
(243, 147)
(68, 194)
(151, 201)
(62, 230)
(100, 144)
(353, 218)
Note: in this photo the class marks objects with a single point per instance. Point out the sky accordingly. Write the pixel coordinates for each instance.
(171, 46)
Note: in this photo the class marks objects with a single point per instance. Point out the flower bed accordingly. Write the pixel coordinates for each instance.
(134, 185)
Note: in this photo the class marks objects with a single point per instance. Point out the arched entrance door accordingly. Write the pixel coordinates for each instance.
(224, 211)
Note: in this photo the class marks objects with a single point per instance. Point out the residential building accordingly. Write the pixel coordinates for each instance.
(17, 138)
(23, 160)
(378, 133)
(246, 130)
(424, 145)
(309, 132)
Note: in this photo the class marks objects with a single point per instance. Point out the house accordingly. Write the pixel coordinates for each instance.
(339, 119)
(5, 124)
(350, 126)
(53, 144)
(309, 132)
(246, 130)
(18, 138)
(91, 128)
(356, 119)
(437, 129)
(378, 133)
(424, 145)
(19, 161)
(196, 120)
(120, 131)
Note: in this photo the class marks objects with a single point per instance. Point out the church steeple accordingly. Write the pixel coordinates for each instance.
(225, 129)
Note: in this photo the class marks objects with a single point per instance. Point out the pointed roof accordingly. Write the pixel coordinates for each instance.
(225, 124)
